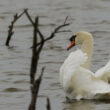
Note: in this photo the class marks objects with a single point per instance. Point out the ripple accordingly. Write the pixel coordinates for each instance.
(101, 22)
(13, 90)
(47, 77)
(10, 12)
(55, 84)
(99, 32)
(42, 96)
(2, 17)
(21, 81)
(106, 0)
(23, 26)
(50, 62)
(50, 24)
(17, 74)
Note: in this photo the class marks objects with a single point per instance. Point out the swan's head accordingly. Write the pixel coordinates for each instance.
(78, 38)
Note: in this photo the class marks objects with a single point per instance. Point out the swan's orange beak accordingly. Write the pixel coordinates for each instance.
(71, 45)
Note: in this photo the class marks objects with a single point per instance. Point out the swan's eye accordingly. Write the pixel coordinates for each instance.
(73, 38)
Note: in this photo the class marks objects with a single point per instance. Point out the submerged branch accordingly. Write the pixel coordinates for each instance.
(34, 91)
(48, 104)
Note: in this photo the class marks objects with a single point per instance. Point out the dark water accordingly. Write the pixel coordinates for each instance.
(88, 15)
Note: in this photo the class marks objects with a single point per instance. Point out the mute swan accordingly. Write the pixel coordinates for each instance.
(76, 78)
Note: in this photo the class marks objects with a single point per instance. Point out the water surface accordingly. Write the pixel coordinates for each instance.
(92, 16)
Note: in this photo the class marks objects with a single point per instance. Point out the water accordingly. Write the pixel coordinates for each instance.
(92, 16)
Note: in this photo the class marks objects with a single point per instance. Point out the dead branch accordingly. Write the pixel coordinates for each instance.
(34, 64)
(16, 17)
(37, 48)
(10, 31)
(35, 84)
(48, 104)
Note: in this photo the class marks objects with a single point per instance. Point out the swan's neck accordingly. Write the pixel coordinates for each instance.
(87, 47)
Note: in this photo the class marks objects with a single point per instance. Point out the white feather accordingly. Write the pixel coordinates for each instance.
(104, 73)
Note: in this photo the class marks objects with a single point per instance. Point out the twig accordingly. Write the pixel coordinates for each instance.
(10, 31)
(56, 30)
(48, 104)
(65, 20)
(29, 17)
(53, 34)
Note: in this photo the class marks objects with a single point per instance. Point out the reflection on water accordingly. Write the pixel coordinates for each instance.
(88, 15)
(87, 105)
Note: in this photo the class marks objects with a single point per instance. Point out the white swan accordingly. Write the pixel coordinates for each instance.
(76, 79)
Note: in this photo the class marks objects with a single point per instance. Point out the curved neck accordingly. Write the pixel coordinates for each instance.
(87, 47)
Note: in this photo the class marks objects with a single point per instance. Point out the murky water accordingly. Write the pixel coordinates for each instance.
(89, 15)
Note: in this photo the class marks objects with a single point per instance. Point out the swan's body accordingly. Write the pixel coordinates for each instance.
(75, 77)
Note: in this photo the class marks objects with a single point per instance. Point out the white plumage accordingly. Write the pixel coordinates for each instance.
(77, 80)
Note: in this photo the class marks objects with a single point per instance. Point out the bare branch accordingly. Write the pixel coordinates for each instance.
(37, 48)
(34, 64)
(54, 32)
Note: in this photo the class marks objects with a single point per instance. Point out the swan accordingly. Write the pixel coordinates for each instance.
(76, 78)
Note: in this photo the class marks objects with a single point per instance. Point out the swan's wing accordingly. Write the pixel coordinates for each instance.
(104, 73)
(70, 65)
(87, 86)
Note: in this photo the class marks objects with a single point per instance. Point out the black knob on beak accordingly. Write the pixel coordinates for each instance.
(73, 38)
